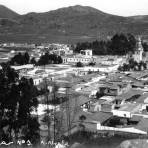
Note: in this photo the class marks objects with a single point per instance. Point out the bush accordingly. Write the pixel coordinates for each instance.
(79, 64)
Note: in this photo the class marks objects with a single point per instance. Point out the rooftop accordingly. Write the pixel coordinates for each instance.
(143, 124)
(132, 107)
(129, 94)
(97, 117)
(143, 98)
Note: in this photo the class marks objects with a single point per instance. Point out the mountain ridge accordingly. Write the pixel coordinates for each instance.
(71, 24)
(7, 13)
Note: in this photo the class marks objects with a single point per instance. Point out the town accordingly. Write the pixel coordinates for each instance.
(72, 93)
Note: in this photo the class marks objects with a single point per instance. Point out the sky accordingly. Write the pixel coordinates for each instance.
(117, 7)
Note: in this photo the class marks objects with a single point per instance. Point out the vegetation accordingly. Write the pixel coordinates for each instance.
(49, 59)
(22, 59)
(79, 64)
(17, 101)
(82, 118)
(79, 25)
(120, 44)
(92, 64)
(99, 94)
(133, 65)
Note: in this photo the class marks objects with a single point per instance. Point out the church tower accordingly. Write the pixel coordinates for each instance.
(138, 55)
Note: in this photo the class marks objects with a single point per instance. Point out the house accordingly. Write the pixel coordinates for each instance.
(104, 104)
(127, 110)
(99, 122)
(128, 97)
(114, 88)
(112, 61)
(37, 80)
(87, 52)
(94, 119)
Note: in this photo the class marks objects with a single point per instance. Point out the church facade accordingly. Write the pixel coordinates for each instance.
(138, 56)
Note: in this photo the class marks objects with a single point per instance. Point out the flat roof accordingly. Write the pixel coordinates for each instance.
(132, 107)
(107, 98)
(143, 124)
(96, 117)
(129, 94)
(143, 98)
(138, 75)
(100, 116)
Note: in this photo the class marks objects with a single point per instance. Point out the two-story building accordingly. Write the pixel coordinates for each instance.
(114, 88)
(85, 57)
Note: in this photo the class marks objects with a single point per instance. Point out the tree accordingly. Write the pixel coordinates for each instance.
(17, 101)
(120, 68)
(82, 118)
(142, 66)
(26, 58)
(20, 59)
(59, 60)
(99, 94)
(44, 59)
(49, 59)
(120, 44)
(126, 67)
(33, 61)
(145, 46)
(91, 63)
(132, 64)
(79, 64)
(131, 42)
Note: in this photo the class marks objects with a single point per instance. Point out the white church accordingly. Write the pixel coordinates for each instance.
(139, 54)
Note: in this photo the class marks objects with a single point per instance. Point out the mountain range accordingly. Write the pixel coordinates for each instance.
(69, 24)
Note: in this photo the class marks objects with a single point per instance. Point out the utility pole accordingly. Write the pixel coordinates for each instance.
(47, 117)
(68, 111)
(54, 98)
(47, 109)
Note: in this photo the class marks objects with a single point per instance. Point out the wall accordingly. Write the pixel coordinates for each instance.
(120, 113)
(129, 130)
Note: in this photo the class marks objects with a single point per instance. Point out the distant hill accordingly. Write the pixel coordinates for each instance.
(69, 24)
(7, 13)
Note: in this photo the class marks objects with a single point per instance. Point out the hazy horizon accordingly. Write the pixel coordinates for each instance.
(116, 7)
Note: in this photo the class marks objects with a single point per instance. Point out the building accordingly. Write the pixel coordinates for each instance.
(23, 68)
(138, 55)
(85, 57)
(127, 110)
(104, 104)
(87, 52)
(99, 121)
(114, 88)
(139, 52)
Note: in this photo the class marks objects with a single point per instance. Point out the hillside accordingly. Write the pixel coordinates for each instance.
(70, 24)
(7, 13)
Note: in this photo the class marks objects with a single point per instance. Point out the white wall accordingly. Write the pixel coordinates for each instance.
(120, 113)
